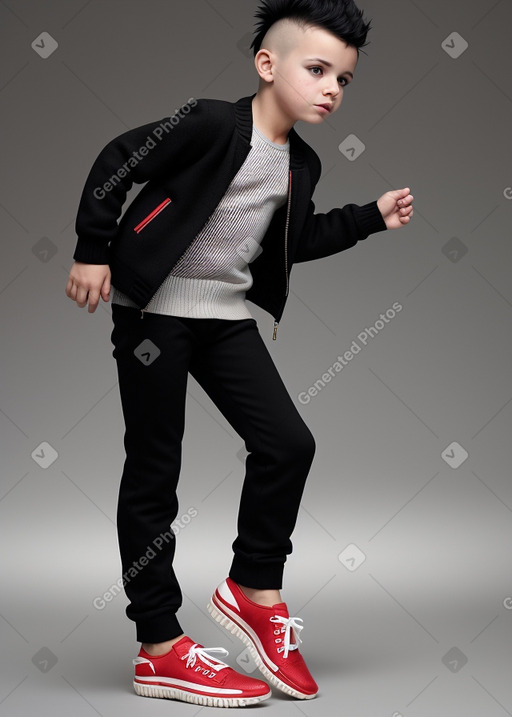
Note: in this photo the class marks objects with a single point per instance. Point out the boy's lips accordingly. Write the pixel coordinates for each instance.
(326, 105)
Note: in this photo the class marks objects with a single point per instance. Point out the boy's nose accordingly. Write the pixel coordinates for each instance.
(333, 91)
(331, 96)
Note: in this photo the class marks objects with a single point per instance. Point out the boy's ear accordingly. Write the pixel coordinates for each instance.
(263, 64)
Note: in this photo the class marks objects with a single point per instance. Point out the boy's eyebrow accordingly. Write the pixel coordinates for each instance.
(327, 64)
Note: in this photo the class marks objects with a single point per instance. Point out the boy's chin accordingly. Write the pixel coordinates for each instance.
(310, 118)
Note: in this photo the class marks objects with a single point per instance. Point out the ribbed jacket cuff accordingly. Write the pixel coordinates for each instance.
(91, 253)
(369, 219)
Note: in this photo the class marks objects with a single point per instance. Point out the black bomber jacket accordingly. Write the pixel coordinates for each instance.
(187, 162)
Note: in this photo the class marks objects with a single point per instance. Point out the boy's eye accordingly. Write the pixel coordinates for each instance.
(342, 81)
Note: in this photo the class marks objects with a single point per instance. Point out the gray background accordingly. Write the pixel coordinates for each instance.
(423, 625)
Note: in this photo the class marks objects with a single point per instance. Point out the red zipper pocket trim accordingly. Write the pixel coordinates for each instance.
(152, 215)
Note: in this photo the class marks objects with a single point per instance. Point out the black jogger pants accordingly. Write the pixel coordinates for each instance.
(230, 361)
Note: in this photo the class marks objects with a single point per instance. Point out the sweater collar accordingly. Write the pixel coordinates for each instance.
(244, 121)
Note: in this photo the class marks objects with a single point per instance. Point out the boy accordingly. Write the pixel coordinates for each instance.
(228, 185)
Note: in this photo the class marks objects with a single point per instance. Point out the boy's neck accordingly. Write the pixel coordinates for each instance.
(268, 120)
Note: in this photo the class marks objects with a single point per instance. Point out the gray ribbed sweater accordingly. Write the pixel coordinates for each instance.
(211, 278)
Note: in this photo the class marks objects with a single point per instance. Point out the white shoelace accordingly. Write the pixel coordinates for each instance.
(287, 623)
(191, 657)
(202, 652)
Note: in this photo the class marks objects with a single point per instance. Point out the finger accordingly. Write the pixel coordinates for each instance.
(94, 297)
(71, 289)
(105, 290)
(81, 297)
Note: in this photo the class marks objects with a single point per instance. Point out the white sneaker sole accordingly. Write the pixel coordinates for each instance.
(173, 693)
(242, 635)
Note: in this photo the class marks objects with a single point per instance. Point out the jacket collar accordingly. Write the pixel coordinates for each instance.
(244, 121)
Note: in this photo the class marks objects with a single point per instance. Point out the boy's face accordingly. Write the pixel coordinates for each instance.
(309, 67)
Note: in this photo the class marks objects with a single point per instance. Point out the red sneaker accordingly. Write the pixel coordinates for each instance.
(269, 635)
(188, 673)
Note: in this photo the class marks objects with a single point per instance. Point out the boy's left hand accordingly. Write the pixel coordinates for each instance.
(396, 207)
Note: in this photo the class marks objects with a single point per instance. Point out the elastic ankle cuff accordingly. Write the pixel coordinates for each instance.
(257, 575)
(158, 629)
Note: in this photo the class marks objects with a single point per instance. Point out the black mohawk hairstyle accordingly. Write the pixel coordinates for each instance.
(341, 17)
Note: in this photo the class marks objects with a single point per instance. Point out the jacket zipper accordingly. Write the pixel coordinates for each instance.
(144, 223)
(276, 323)
(151, 215)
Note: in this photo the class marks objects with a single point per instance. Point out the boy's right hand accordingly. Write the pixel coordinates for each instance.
(87, 282)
